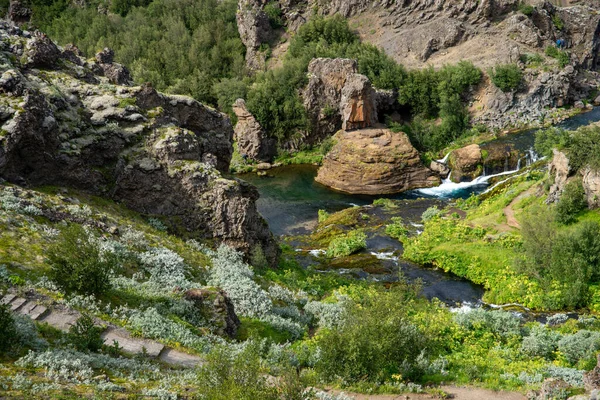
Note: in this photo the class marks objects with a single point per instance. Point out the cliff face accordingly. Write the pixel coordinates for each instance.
(71, 122)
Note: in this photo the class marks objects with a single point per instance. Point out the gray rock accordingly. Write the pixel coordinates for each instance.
(251, 138)
(559, 168)
(40, 51)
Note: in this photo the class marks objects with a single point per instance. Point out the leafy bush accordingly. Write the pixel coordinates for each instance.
(552, 138)
(77, 263)
(165, 267)
(572, 201)
(323, 215)
(498, 322)
(430, 213)
(562, 56)
(541, 342)
(506, 77)
(558, 22)
(345, 245)
(580, 346)
(526, 9)
(273, 11)
(85, 335)
(376, 342)
(396, 229)
(8, 330)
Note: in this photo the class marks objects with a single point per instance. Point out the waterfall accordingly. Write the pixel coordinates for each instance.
(445, 159)
(449, 189)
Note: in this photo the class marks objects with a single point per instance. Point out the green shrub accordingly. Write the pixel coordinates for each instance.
(323, 215)
(345, 245)
(552, 138)
(273, 11)
(532, 59)
(430, 213)
(562, 56)
(541, 342)
(580, 346)
(8, 331)
(506, 77)
(526, 9)
(558, 22)
(78, 265)
(376, 342)
(500, 323)
(396, 229)
(84, 335)
(572, 201)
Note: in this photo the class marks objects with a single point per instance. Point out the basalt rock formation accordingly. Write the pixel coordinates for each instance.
(560, 170)
(337, 97)
(255, 30)
(64, 123)
(374, 161)
(217, 307)
(251, 138)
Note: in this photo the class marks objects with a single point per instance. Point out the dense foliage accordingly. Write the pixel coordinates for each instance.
(78, 265)
(582, 146)
(506, 77)
(180, 46)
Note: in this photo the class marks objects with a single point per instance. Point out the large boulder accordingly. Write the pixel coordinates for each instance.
(116, 73)
(217, 308)
(559, 170)
(41, 52)
(157, 154)
(466, 163)
(337, 97)
(358, 103)
(374, 162)
(251, 138)
(18, 12)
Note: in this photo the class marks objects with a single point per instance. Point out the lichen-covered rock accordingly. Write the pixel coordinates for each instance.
(559, 170)
(591, 186)
(18, 12)
(255, 29)
(374, 161)
(251, 138)
(157, 154)
(40, 51)
(217, 308)
(466, 163)
(116, 73)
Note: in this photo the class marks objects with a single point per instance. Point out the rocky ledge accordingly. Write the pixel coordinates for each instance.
(68, 121)
(374, 161)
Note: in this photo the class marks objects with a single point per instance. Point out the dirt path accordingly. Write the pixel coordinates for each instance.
(511, 220)
(455, 392)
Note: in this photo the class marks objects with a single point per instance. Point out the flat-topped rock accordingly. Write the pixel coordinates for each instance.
(374, 161)
(61, 320)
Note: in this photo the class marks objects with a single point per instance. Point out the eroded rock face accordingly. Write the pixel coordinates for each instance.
(255, 29)
(251, 138)
(337, 97)
(216, 306)
(157, 154)
(40, 51)
(591, 185)
(560, 170)
(374, 161)
(466, 163)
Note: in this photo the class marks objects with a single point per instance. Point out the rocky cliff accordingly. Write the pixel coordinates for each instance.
(73, 122)
(374, 161)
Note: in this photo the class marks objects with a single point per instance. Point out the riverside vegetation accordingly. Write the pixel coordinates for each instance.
(290, 331)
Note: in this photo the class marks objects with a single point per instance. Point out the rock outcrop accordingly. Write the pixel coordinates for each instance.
(251, 138)
(217, 308)
(337, 97)
(591, 186)
(157, 154)
(255, 29)
(18, 12)
(466, 163)
(559, 170)
(374, 161)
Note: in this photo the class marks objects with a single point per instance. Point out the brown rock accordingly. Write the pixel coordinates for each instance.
(374, 161)
(251, 138)
(466, 163)
(358, 103)
(254, 29)
(441, 169)
(217, 307)
(591, 185)
(560, 169)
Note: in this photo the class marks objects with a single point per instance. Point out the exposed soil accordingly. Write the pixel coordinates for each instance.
(457, 393)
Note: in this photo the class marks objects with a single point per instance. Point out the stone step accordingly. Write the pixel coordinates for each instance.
(60, 320)
(7, 299)
(33, 310)
(129, 344)
(27, 308)
(175, 357)
(17, 303)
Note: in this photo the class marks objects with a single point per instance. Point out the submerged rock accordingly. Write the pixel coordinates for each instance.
(466, 163)
(374, 161)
